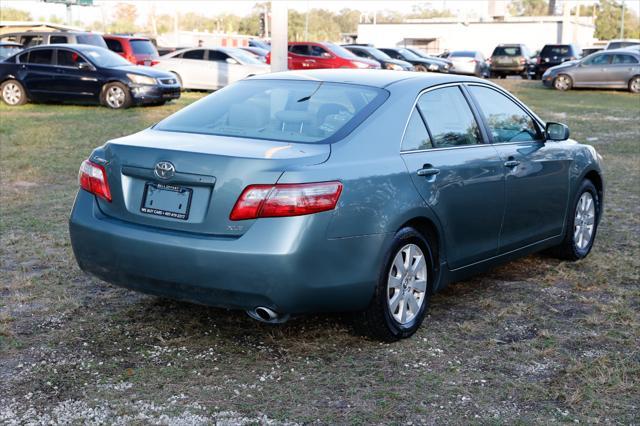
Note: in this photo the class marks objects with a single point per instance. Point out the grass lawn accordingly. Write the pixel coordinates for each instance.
(537, 340)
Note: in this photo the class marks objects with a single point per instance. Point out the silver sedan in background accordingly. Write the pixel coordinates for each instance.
(469, 62)
(608, 69)
(211, 68)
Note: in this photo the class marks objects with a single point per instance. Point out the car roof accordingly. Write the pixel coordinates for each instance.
(10, 43)
(125, 37)
(374, 78)
(66, 45)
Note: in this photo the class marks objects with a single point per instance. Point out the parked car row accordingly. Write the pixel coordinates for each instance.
(82, 73)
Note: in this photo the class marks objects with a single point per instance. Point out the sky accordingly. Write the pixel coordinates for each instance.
(39, 9)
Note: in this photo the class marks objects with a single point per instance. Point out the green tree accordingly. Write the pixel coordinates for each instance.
(348, 20)
(608, 21)
(11, 14)
(528, 7)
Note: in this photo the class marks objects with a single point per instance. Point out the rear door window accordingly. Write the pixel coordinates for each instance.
(300, 49)
(506, 120)
(449, 118)
(31, 40)
(115, 45)
(41, 57)
(624, 59)
(58, 39)
(194, 54)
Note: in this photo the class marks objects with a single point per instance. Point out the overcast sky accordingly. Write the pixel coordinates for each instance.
(39, 9)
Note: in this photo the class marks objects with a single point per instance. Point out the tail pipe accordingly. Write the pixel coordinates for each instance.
(267, 315)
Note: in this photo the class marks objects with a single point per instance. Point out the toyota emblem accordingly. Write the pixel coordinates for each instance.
(165, 170)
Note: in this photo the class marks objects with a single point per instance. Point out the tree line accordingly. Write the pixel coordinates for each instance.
(323, 24)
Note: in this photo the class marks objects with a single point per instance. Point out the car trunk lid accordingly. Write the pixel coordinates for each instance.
(205, 175)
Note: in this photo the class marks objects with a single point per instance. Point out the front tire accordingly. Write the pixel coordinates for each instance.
(634, 84)
(563, 82)
(13, 93)
(404, 288)
(116, 96)
(420, 68)
(582, 224)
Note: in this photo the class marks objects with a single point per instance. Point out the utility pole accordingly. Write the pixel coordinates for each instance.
(279, 33)
(622, 21)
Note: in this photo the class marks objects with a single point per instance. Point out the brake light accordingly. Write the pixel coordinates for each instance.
(283, 200)
(93, 178)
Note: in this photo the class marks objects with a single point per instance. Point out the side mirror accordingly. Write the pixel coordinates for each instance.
(557, 132)
(84, 66)
(326, 55)
(232, 61)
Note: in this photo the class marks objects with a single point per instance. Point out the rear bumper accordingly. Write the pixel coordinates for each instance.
(142, 94)
(509, 69)
(286, 264)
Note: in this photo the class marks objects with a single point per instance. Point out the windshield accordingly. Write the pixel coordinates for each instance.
(462, 54)
(104, 58)
(245, 57)
(93, 39)
(143, 47)
(283, 110)
(379, 54)
(408, 54)
(6, 51)
(341, 51)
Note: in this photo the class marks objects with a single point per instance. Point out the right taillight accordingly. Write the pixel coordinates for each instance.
(283, 200)
(93, 178)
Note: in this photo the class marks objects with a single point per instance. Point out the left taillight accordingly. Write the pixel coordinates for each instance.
(282, 200)
(93, 178)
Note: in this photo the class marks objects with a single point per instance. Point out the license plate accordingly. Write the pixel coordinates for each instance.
(166, 200)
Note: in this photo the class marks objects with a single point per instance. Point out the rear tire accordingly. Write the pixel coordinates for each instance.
(563, 82)
(116, 96)
(403, 291)
(575, 246)
(13, 93)
(634, 84)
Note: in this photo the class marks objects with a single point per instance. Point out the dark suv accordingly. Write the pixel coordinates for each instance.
(510, 59)
(555, 54)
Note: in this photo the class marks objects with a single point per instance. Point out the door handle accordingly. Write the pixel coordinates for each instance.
(428, 170)
(511, 163)
(309, 60)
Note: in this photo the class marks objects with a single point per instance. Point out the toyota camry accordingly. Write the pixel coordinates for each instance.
(334, 190)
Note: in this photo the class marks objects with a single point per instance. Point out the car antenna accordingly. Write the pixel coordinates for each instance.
(306, 98)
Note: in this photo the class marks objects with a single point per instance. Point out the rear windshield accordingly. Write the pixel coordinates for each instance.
(462, 54)
(620, 44)
(93, 39)
(283, 110)
(143, 47)
(507, 51)
(556, 51)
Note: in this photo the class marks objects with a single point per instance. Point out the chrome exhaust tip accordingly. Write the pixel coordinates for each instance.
(267, 315)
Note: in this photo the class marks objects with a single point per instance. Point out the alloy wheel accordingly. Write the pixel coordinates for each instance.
(584, 222)
(407, 284)
(634, 86)
(562, 82)
(115, 97)
(11, 94)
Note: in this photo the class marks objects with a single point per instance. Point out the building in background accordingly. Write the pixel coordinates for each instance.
(482, 32)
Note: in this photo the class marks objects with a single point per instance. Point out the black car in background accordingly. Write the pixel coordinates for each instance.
(420, 63)
(555, 54)
(386, 61)
(424, 54)
(82, 74)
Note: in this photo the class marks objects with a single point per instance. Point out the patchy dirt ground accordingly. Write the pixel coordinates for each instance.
(536, 340)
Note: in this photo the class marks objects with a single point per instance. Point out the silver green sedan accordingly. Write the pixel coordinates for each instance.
(334, 190)
(608, 69)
